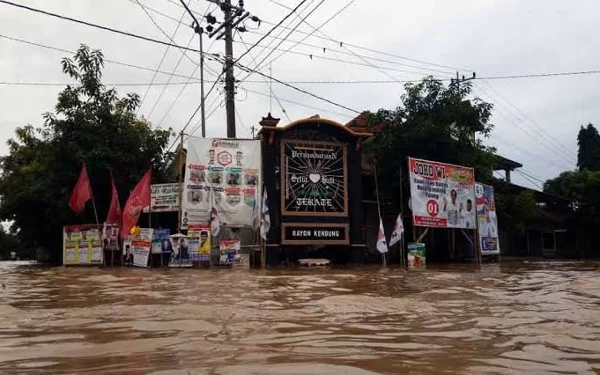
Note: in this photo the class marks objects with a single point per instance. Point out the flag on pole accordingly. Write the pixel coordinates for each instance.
(381, 241)
(81, 193)
(215, 224)
(256, 213)
(265, 217)
(398, 231)
(114, 212)
(138, 199)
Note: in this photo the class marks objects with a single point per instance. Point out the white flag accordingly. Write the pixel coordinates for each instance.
(215, 224)
(265, 218)
(398, 231)
(381, 241)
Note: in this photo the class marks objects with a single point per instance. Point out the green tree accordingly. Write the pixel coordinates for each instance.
(588, 156)
(434, 122)
(93, 124)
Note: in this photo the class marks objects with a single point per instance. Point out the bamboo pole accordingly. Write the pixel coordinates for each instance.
(180, 174)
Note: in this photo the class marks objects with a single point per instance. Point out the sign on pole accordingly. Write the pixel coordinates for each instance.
(164, 198)
(442, 195)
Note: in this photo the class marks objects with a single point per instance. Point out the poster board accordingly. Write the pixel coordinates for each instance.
(487, 221)
(180, 255)
(164, 197)
(161, 241)
(199, 242)
(442, 195)
(110, 237)
(229, 251)
(136, 250)
(417, 258)
(82, 245)
(231, 167)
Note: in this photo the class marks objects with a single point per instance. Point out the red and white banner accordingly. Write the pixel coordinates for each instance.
(442, 195)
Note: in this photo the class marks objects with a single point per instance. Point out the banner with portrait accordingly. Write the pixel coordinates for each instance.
(110, 237)
(229, 251)
(229, 166)
(136, 249)
(82, 245)
(180, 254)
(442, 195)
(487, 220)
(199, 243)
(161, 241)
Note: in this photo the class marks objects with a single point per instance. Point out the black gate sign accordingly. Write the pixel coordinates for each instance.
(314, 178)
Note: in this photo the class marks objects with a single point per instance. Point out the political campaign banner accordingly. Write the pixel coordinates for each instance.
(164, 197)
(231, 167)
(442, 195)
(416, 256)
(229, 251)
(180, 255)
(199, 242)
(82, 245)
(136, 249)
(487, 220)
(161, 241)
(110, 236)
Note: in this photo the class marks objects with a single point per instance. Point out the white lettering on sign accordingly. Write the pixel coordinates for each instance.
(312, 233)
(314, 202)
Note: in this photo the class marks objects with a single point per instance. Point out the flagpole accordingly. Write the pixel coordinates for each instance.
(180, 174)
(379, 208)
(93, 202)
(401, 218)
(150, 205)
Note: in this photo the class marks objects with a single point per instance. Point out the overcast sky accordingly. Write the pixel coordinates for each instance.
(537, 119)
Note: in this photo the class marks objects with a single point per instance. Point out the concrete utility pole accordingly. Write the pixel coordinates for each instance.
(229, 77)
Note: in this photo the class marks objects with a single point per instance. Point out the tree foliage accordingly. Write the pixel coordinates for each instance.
(93, 124)
(588, 156)
(434, 122)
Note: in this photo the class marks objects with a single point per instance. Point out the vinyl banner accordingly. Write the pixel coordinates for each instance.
(232, 168)
(161, 241)
(164, 198)
(140, 248)
(442, 195)
(486, 219)
(82, 244)
(229, 251)
(199, 243)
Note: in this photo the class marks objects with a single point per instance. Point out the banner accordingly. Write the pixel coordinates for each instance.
(314, 178)
(110, 237)
(161, 241)
(416, 256)
(487, 220)
(229, 251)
(164, 197)
(229, 166)
(199, 242)
(82, 244)
(180, 255)
(442, 195)
(136, 251)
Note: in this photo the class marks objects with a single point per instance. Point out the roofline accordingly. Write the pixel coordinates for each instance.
(310, 120)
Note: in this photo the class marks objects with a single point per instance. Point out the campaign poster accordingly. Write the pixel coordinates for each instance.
(416, 256)
(110, 237)
(229, 251)
(442, 195)
(314, 178)
(487, 220)
(164, 197)
(136, 249)
(161, 241)
(199, 243)
(231, 168)
(82, 245)
(180, 255)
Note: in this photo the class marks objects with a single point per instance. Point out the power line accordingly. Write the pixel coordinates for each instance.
(62, 84)
(164, 54)
(525, 176)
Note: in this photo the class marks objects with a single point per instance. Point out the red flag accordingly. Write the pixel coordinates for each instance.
(114, 212)
(138, 199)
(81, 193)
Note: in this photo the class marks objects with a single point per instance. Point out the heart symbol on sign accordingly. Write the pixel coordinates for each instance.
(314, 177)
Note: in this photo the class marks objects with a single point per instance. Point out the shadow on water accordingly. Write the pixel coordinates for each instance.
(514, 317)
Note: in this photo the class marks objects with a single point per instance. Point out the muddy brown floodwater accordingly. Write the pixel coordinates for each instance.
(514, 317)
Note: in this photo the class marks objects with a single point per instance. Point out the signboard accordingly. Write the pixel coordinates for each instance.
(487, 221)
(164, 198)
(309, 234)
(110, 237)
(442, 195)
(136, 251)
(199, 242)
(180, 256)
(314, 178)
(161, 241)
(82, 244)
(229, 251)
(416, 256)
(231, 167)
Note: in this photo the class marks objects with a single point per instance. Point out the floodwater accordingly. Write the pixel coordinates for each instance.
(515, 317)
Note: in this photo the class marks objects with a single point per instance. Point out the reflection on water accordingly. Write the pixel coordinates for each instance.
(538, 317)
